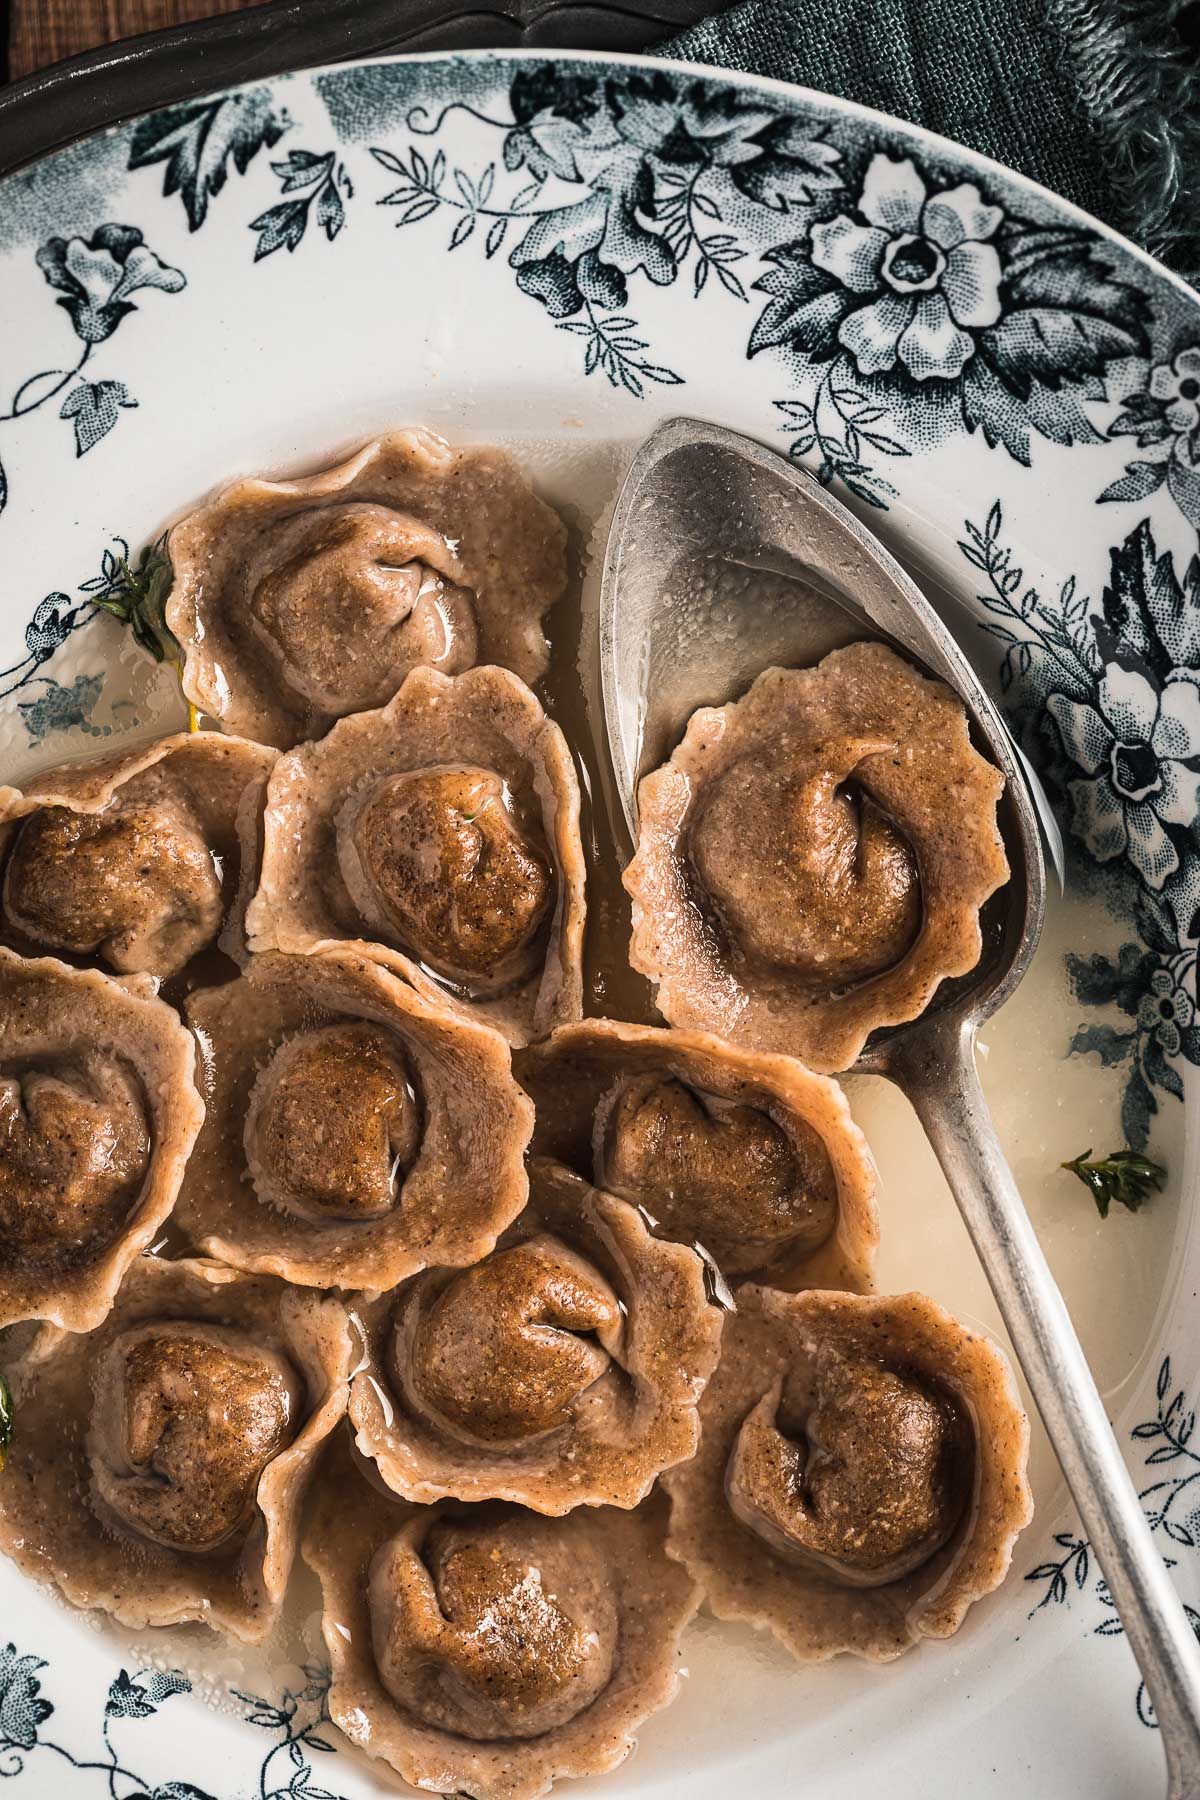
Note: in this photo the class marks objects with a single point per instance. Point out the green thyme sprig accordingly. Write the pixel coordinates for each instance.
(6, 1420)
(1123, 1176)
(137, 596)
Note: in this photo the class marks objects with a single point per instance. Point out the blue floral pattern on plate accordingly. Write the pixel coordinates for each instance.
(1107, 698)
(95, 277)
(285, 1771)
(1171, 1504)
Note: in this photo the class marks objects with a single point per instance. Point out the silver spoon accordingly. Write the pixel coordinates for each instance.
(724, 560)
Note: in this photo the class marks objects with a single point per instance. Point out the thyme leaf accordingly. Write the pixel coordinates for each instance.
(1123, 1176)
(137, 595)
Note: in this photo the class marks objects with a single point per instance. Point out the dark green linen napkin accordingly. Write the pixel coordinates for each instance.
(1097, 99)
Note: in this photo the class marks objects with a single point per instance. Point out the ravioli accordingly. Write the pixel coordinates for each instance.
(98, 1112)
(752, 1156)
(298, 602)
(355, 1132)
(138, 862)
(562, 1370)
(485, 1650)
(812, 861)
(162, 1460)
(861, 1477)
(443, 830)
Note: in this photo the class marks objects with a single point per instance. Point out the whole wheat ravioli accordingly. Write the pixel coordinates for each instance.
(355, 1132)
(861, 1477)
(750, 1154)
(137, 861)
(98, 1113)
(563, 1370)
(442, 833)
(298, 602)
(796, 885)
(584, 1616)
(161, 1460)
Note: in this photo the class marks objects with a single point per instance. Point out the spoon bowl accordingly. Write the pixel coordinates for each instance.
(724, 560)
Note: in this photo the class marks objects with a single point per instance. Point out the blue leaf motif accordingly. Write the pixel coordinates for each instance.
(199, 140)
(94, 408)
(1140, 480)
(331, 214)
(1097, 981)
(300, 168)
(163, 1684)
(1112, 1047)
(1162, 1073)
(280, 227)
(127, 1700)
(1138, 1107)
(1066, 316)
(317, 184)
(62, 708)
(1174, 1422)
(264, 1712)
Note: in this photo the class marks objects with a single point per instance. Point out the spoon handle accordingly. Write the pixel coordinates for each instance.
(938, 1075)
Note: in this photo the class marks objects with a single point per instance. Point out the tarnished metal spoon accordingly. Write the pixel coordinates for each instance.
(725, 560)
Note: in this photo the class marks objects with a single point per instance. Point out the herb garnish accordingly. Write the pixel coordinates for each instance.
(6, 1420)
(137, 596)
(1123, 1175)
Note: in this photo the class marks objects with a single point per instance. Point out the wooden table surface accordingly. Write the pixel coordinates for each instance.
(42, 31)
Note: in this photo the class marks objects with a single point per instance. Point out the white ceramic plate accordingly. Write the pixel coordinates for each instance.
(558, 255)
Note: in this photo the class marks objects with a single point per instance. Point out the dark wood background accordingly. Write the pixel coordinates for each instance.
(41, 31)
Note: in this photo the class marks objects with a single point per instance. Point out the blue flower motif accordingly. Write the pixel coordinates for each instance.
(1176, 386)
(22, 1708)
(1139, 749)
(51, 625)
(924, 265)
(98, 274)
(1167, 1011)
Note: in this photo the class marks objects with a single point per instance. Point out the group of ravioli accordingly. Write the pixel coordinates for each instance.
(327, 1221)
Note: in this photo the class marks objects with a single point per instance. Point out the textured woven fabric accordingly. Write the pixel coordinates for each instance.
(1096, 99)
